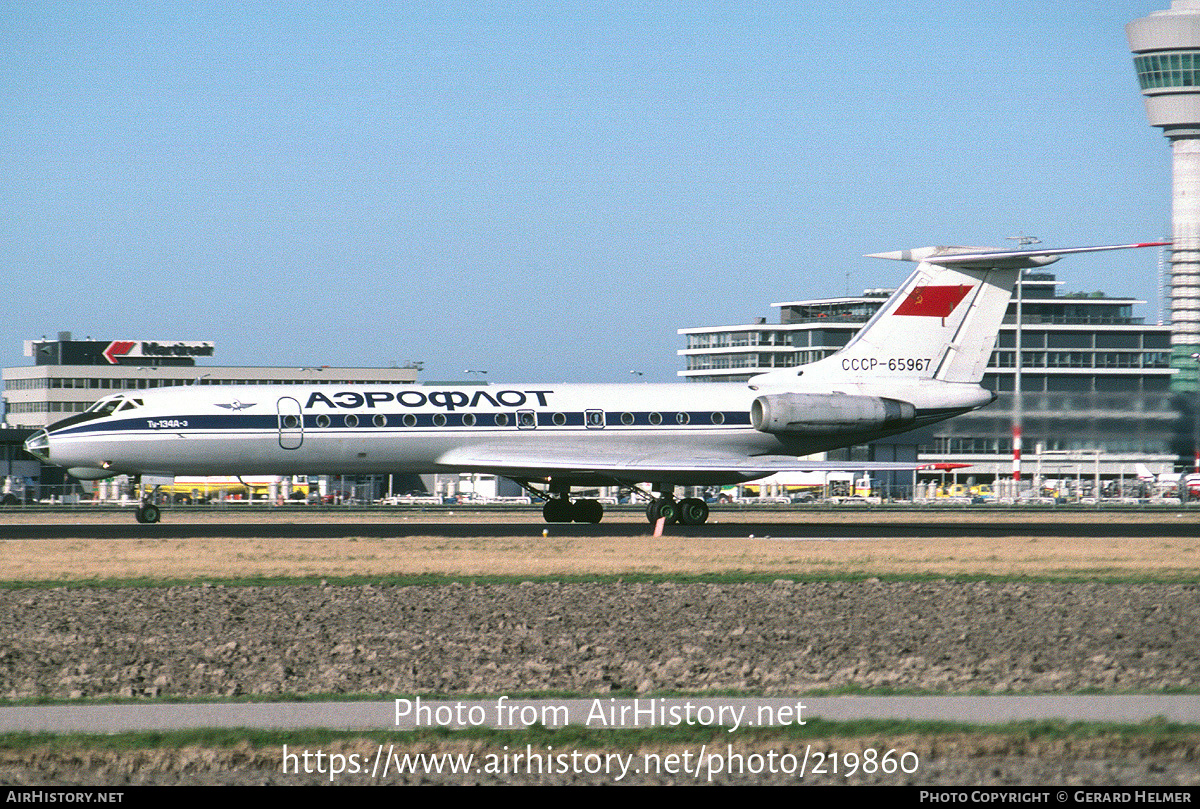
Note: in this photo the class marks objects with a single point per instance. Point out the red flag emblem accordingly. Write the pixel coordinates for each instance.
(931, 301)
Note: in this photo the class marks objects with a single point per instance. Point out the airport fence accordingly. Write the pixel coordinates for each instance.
(73, 496)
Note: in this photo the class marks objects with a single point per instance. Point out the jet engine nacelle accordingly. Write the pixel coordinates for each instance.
(823, 413)
(89, 473)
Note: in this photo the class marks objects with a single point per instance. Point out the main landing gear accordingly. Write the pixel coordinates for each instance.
(688, 511)
(562, 509)
(559, 507)
(663, 505)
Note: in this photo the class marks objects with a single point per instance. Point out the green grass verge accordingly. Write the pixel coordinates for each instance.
(850, 690)
(1155, 733)
(1096, 576)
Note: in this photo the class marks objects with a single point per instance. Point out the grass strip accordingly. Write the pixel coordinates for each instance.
(1097, 576)
(1157, 733)
(848, 690)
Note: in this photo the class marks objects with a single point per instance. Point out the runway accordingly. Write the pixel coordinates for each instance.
(594, 713)
(941, 527)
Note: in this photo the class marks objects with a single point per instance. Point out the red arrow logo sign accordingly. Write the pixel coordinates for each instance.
(118, 348)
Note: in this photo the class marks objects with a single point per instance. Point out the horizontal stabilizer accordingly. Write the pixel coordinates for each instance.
(985, 257)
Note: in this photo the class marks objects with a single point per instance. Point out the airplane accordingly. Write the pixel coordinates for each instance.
(1146, 476)
(1166, 482)
(917, 361)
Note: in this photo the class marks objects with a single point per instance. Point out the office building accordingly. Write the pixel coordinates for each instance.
(67, 375)
(1095, 379)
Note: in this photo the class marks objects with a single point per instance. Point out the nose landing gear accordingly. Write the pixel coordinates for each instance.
(147, 511)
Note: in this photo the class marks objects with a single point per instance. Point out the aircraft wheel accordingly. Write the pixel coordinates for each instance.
(559, 509)
(148, 513)
(588, 511)
(693, 511)
(660, 508)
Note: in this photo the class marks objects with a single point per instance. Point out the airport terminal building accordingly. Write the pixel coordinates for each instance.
(1095, 381)
(68, 375)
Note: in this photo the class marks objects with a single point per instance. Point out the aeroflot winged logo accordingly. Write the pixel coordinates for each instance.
(235, 405)
(933, 301)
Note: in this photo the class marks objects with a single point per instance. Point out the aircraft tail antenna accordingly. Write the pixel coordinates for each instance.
(1024, 240)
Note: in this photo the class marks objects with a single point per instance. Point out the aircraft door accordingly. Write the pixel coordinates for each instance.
(291, 423)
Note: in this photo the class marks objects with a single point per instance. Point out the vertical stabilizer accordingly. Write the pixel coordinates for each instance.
(942, 323)
(945, 319)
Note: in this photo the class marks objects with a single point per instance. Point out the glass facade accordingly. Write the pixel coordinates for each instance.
(37, 395)
(1093, 376)
(1167, 69)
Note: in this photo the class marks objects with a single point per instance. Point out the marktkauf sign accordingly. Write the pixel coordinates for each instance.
(114, 352)
(119, 349)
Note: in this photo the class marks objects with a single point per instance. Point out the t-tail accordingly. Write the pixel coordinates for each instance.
(941, 324)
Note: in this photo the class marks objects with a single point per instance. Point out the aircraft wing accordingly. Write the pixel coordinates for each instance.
(647, 466)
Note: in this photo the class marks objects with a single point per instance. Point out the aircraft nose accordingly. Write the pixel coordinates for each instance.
(38, 445)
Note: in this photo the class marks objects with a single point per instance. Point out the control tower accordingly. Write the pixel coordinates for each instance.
(1166, 54)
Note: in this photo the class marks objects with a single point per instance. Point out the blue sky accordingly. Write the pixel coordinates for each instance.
(543, 190)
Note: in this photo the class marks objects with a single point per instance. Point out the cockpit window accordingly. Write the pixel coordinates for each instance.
(109, 405)
(117, 404)
(104, 407)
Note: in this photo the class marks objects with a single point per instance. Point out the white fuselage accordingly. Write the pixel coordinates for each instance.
(324, 429)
